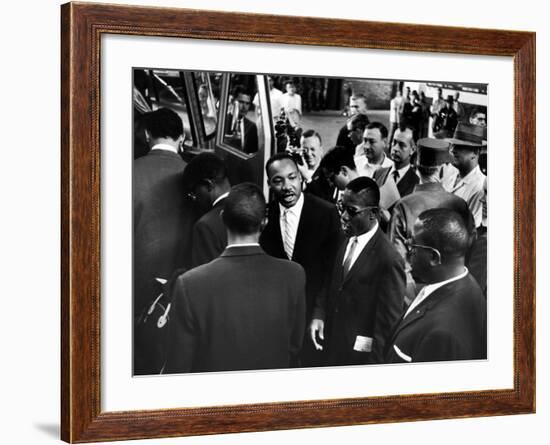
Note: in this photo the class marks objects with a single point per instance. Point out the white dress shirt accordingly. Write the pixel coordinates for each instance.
(292, 216)
(426, 291)
(470, 189)
(365, 168)
(402, 172)
(293, 102)
(362, 241)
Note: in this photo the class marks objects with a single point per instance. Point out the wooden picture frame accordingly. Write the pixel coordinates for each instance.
(82, 26)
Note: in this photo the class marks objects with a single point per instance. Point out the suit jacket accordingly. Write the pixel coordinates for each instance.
(244, 310)
(209, 236)
(162, 228)
(405, 186)
(450, 324)
(320, 187)
(367, 302)
(162, 222)
(250, 134)
(317, 240)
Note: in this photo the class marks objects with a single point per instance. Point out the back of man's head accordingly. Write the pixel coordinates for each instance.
(337, 158)
(366, 190)
(444, 230)
(244, 209)
(164, 123)
(204, 167)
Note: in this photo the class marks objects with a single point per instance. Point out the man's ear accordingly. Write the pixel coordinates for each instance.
(435, 259)
(263, 224)
(209, 184)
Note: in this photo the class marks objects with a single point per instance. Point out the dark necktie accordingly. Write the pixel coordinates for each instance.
(395, 176)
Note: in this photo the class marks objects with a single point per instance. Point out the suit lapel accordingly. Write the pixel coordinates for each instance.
(363, 258)
(306, 233)
(424, 307)
(407, 183)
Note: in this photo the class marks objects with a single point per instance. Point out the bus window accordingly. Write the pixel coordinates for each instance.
(242, 125)
(208, 100)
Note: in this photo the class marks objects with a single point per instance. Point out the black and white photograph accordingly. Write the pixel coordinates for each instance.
(287, 221)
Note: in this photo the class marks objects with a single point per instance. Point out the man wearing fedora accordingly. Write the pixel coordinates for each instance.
(467, 181)
(428, 194)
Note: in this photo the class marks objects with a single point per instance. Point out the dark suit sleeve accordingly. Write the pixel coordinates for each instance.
(251, 142)
(389, 308)
(298, 316)
(438, 345)
(183, 332)
(204, 247)
(332, 244)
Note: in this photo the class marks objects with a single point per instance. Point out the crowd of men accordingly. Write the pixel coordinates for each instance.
(370, 252)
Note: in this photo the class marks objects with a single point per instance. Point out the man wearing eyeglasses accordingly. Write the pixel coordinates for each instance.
(363, 297)
(207, 185)
(447, 319)
(428, 194)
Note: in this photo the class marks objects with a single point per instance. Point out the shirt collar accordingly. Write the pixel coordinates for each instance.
(219, 198)
(364, 238)
(431, 288)
(164, 147)
(296, 209)
(470, 176)
(402, 171)
(242, 245)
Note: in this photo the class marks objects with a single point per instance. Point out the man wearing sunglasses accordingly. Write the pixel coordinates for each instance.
(447, 319)
(363, 296)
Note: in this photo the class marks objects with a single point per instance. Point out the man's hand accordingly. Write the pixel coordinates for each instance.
(317, 327)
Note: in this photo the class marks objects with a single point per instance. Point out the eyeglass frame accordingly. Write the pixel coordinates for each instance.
(345, 209)
(411, 248)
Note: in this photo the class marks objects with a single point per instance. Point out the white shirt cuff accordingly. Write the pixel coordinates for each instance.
(363, 344)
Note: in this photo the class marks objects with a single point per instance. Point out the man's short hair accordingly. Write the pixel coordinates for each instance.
(278, 157)
(446, 231)
(164, 123)
(359, 122)
(244, 209)
(310, 133)
(366, 188)
(477, 110)
(240, 89)
(203, 167)
(380, 126)
(360, 96)
(337, 158)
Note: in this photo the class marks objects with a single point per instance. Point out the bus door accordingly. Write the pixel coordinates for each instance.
(244, 132)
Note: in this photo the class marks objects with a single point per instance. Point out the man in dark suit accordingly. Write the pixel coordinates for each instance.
(363, 297)
(240, 131)
(447, 319)
(162, 220)
(302, 228)
(428, 194)
(402, 173)
(245, 309)
(206, 183)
